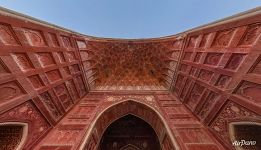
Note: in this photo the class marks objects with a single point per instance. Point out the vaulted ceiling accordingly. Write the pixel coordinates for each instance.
(131, 65)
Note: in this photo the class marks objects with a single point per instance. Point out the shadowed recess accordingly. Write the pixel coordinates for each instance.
(129, 133)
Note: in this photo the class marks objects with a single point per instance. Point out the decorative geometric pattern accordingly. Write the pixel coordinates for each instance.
(120, 65)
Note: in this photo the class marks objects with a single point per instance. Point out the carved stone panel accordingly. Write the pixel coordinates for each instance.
(81, 44)
(54, 75)
(170, 73)
(194, 95)
(175, 55)
(234, 61)
(34, 37)
(213, 58)
(208, 104)
(23, 61)
(205, 75)
(66, 41)
(86, 64)
(10, 90)
(80, 85)
(223, 81)
(180, 80)
(89, 73)
(72, 89)
(71, 56)
(67, 71)
(185, 89)
(257, 67)
(183, 68)
(36, 81)
(204, 40)
(45, 59)
(75, 68)
(192, 41)
(53, 39)
(197, 57)
(84, 55)
(64, 96)
(173, 65)
(49, 104)
(223, 38)
(177, 44)
(187, 56)
(61, 57)
(251, 34)
(3, 68)
(6, 35)
(193, 71)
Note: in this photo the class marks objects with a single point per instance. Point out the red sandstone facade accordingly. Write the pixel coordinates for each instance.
(60, 90)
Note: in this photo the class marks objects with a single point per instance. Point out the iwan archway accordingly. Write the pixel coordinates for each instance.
(129, 133)
(133, 108)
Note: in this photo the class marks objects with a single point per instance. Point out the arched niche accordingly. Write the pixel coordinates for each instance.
(139, 109)
(129, 133)
(249, 132)
(13, 135)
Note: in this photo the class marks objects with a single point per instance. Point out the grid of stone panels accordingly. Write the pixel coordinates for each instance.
(220, 71)
(40, 67)
(189, 131)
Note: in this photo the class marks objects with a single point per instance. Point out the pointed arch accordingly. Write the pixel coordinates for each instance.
(134, 133)
(134, 107)
(17, 131)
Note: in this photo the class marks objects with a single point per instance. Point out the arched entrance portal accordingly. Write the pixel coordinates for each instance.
(245, 135)
(147, 113)
(129, 133)
(13, 135)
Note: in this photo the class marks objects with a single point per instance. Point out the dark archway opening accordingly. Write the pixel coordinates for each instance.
(248, 132)
(129, 133)
(10, 136)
